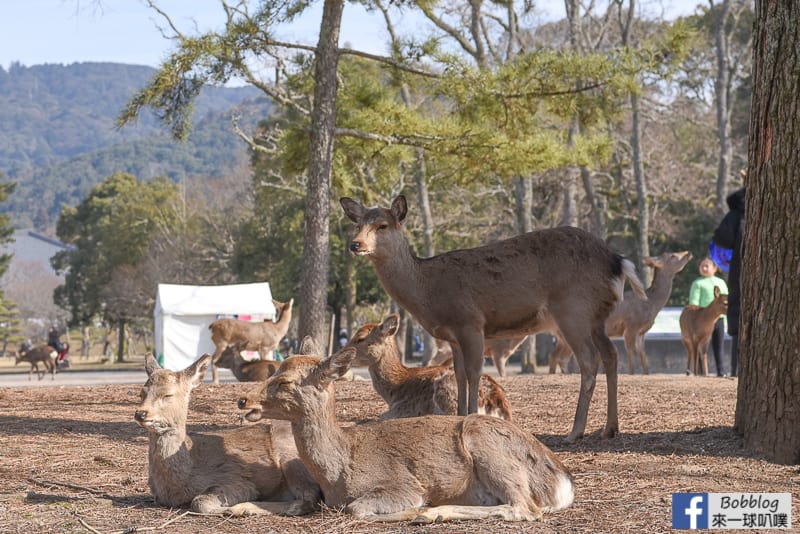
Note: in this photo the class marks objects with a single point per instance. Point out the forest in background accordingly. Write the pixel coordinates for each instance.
(58, 136)
(248, 225)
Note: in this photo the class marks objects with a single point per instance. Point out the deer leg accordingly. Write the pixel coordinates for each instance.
(461, 378)
(470, 343)
(630, 348)
(500, 363)
(608, 354)
(642, 354)
(588, 363)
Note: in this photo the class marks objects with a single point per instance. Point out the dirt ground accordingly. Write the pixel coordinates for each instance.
(73, 460)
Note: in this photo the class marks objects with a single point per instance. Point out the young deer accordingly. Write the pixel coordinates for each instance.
(697, 325)
(263, 337)
(634, 317)
(473, 467)
(499, 350)
(558, 279)
(244, 370)
(412, 392)
(218, 472)
(42, 354)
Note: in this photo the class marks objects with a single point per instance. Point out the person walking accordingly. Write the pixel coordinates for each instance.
(701, 294)
(729, 235)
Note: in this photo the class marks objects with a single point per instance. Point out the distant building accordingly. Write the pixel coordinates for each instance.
(31, 246)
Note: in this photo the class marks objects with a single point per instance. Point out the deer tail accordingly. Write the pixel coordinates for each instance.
(629, 272)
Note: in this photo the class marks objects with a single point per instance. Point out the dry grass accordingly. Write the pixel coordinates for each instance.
(73, 460)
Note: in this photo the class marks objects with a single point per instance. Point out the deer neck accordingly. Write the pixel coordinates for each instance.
(388, 373)
(660, 289)
(283, 321)
(400, 273)
(321, 445)
(170, 460)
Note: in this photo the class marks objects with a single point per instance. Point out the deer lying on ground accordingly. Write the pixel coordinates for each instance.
(697, 326)
(220, 472)
(634, 317)
(244, 370)
(499, 350)
(473, 467)
(263, 337)
(561, 279)
(412, 392)
(43, 354)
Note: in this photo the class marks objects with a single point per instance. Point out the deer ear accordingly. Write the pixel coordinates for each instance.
(399, 208)
(336, 366)
(197, 371)
(390, 325)
(354, 210)
(150, 364)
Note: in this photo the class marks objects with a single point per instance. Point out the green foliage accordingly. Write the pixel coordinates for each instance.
(110, 231)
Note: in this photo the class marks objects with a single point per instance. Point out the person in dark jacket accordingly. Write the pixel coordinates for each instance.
(729, 235)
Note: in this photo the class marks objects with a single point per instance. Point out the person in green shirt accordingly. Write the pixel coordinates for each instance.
(702, 294)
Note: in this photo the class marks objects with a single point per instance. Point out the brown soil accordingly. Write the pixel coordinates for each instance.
(73, 460)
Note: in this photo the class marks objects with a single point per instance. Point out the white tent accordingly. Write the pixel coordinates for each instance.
(183, 313)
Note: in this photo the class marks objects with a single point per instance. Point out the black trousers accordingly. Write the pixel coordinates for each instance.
(717, 338)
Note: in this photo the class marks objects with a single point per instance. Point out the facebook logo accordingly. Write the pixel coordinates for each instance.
(689, 511)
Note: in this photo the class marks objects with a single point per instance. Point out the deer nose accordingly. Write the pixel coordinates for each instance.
(241, 403)
(140, 415)
(354, 246)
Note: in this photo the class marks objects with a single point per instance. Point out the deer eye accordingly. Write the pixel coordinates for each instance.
(383, 226)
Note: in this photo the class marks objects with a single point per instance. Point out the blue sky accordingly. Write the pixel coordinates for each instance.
(34, 32)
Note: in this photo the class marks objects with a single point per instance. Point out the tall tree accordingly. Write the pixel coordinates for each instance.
(111, 232)
(9, 321)
(768, 403)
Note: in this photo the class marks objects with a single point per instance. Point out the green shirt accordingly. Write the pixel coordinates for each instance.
(702, 290)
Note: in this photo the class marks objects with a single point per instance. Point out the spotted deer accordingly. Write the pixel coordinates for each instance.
(473, 467)
(416, 391)
(246, 370)
(248, 470)
(562, 279)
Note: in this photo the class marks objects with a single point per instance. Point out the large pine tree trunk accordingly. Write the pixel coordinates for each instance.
(316, 251)
(768, 407)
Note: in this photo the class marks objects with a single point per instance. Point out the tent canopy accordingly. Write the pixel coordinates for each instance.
(183, 314)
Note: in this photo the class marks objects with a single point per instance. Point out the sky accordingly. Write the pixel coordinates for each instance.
(35, 32)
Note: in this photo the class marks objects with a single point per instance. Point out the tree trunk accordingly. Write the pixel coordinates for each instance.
(768, 403)
(420, 179)
(523, 196)
(643, 210)
(723, 100)
(121, 343)
(316, 249)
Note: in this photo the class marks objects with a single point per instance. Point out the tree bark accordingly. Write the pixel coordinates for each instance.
(723, 100)
(316, 249)
(768, 403)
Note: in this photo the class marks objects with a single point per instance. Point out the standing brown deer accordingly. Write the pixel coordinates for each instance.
(220, 472)
(558, 279)
(43, 354)
(473, 467)
(263, 337)
(697, 325)
(412, 392)
(634, 317)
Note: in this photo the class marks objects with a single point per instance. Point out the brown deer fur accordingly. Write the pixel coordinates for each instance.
(697, 326)
(472, 467)
(561, 279)
(244, 370)
(263, 337)
(43, 354)
(412, 392)
(218, 472)
(634, 317)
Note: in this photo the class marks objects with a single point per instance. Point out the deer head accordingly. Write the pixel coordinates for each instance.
(371, 340)
(378, 228)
